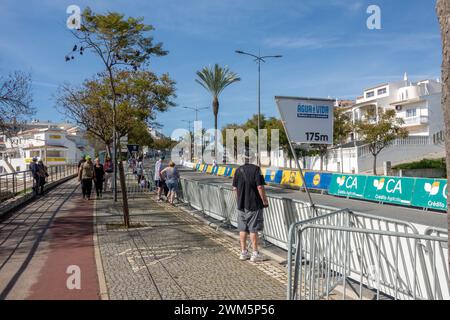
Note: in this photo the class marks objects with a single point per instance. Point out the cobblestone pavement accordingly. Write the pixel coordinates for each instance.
(173, 255)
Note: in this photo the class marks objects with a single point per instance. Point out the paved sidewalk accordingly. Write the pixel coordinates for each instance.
(176, 256)
(40, 241)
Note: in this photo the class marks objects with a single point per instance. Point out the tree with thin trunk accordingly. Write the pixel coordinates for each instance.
(379, 134)
(443, 13)
(15, 102)
(119, 43)
(215, 80)
(342, 127)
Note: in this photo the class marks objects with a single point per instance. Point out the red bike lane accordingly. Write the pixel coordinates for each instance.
(69, 272)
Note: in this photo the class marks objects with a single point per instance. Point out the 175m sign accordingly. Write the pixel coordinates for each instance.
(316, 137)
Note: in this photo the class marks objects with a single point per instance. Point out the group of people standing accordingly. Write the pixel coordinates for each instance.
(94, 173)
(40, 174)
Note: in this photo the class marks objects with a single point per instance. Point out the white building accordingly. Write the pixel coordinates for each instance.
(55, 144)
(417, 103)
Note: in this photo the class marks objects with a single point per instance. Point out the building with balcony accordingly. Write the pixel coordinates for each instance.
(417, 103)
(55, 144)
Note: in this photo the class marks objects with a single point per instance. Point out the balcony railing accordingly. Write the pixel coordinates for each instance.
(415, 121)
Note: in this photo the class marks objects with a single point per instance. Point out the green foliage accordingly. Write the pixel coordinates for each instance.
(379, 134)
(117, 40)
(140, 135)
(342, 126)
(423, 164)
(140, 95)
(216, 79)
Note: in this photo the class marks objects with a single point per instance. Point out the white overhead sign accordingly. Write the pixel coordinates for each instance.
(307, 120)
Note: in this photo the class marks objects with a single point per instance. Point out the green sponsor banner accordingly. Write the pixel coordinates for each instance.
(347, 185)
(430, 193)
(389, 189)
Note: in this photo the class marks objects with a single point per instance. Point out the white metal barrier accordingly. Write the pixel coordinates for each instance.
(394, 265)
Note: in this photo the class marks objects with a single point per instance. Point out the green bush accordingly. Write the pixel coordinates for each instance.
(423, 164)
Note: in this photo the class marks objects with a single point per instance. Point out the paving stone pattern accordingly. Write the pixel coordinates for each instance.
(173, 255)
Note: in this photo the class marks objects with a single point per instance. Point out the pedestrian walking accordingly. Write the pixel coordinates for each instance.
(248, 185)
(86, 175)
(34, 173)
(108, 166)
(82, 160)
(42, 176)
(172, 178)
(99, 176)
(140, 169)
(158, 181)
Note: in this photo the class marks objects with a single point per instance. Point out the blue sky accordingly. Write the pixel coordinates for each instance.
(327, 49)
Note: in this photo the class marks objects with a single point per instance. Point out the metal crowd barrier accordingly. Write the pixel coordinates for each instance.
(389, 260)
(388, 255)
(136, 189)
(22, 182)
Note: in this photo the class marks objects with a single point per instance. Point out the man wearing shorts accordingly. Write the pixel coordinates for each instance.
(248, 184)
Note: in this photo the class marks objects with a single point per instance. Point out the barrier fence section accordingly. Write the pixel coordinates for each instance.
(22, 182)
(136, 188)
(333, 251)
(385, 254)
(418, 192)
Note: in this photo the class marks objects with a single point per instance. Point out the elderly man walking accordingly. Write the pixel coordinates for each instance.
(248, 185)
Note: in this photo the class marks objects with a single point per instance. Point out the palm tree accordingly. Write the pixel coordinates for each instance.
(215, 80)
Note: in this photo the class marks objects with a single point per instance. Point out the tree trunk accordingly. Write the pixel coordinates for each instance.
(321, 162)
(443, 13)
(374, 165)
(123, 186)
(215, 105)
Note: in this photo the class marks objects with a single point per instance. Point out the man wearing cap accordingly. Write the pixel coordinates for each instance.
(248, 185)
(34, 172)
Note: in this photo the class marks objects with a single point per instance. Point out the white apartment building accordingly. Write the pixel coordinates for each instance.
(55, 144)
(417, 103)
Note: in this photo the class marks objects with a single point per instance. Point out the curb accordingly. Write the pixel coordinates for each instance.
(104, 295)
(275, 257)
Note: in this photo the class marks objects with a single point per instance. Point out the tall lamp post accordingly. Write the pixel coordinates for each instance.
(196, 109)
(259, 59)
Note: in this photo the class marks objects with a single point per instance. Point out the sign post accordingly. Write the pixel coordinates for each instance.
(306, 121)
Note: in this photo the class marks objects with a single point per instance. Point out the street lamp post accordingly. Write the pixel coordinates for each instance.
(259, 59)
(196, 109)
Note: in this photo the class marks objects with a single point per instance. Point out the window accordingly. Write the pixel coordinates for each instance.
(410, 113)
(370, 94)
(381, 91)
(54, 154)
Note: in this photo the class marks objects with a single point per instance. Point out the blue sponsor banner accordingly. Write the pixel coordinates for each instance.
(215, 169)
(316, 180)
(205, 168)
(273, 176)
(228, 171)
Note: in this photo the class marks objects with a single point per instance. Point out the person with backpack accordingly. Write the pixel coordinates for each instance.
(85, 176)
(248, 185)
